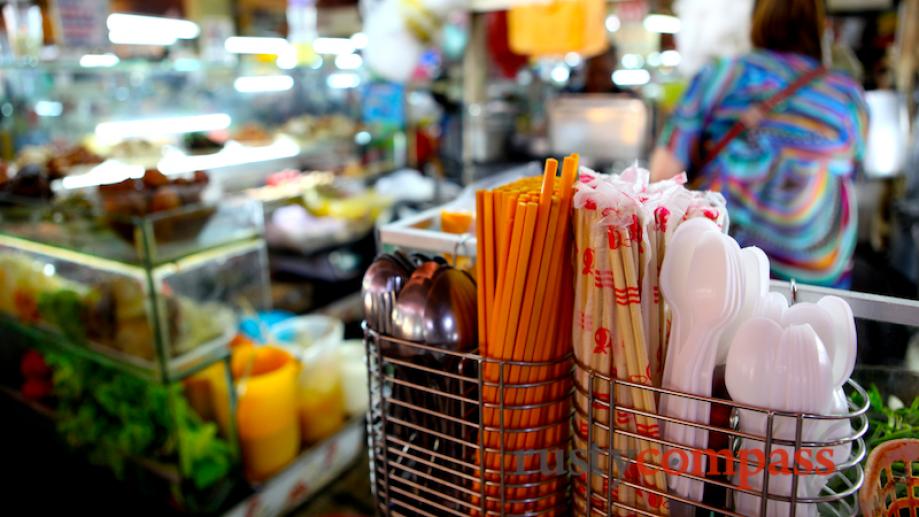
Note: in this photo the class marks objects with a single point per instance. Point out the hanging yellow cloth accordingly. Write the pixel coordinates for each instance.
(558, 27)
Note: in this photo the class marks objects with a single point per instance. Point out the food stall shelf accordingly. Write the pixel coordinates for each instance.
(421, 232)
(314, 469)
(177, 369)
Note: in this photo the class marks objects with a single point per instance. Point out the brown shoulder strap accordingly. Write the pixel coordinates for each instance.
(757, 113)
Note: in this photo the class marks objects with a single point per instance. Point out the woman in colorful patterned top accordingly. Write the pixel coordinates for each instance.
(788, 174)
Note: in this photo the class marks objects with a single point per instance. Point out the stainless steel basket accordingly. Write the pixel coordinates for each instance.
(445, 438)
(448, 432)
(837, 498)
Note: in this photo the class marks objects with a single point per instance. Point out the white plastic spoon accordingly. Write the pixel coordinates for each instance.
(756, 286)
(676, 266)
(704, 298)
(704, 368)
(674, 270)
(772, 306)
(749, 369)
(843, 348)
(803, 367)
(752, 370)
(819, 319)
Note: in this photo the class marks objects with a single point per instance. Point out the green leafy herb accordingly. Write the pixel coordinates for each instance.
(63, 308)
(885, 423)
(115, 416)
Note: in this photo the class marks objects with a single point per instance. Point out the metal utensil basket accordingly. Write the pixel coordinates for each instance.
(725, 461)
(451, 433)
(415, 472)
(443, 441)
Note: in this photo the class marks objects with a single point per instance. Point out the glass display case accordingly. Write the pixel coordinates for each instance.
(132, 314)
(241, 119)
(155, 294)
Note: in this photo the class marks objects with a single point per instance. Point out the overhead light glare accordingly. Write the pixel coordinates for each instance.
(106, 60)
(626, 77)
(662, 23)
(263, 83)
(333, 46)
(254, 45)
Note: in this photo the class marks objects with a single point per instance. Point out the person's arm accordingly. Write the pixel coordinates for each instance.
(665, 164)
(679, 143)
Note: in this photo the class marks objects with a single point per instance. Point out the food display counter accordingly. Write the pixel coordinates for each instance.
(123, 315)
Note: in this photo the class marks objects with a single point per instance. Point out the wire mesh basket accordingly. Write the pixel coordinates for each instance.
(455, 433)
(731, 472)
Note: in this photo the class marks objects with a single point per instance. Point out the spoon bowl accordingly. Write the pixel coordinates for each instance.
(772, 306)
(449, 313)
(842, 348)
(410, 304)
(385, 277)
(674, 270)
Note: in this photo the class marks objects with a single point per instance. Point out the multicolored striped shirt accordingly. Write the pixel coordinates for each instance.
(789, 181)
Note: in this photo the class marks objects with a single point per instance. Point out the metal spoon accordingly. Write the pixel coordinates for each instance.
(449, 319)
(384, 276)
(410, 304)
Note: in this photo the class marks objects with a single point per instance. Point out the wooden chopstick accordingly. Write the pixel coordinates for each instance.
(488, 257)
(625, 274)
(481, 281)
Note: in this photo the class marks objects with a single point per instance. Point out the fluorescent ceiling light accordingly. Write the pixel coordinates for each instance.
(670, 58)
(133, 29)
(142, 38)
(98, 60)
(612, 23)
(348, 61)
(631, 77)
(49, 108)
(263, 83)
(342, 80)
(359, 40)
(333, 46)
(662, 23)
(116, 131)
(253, 45)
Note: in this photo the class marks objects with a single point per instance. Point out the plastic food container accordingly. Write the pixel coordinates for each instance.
(322, 402)
(266, 386)
(353, 368)
(298, 334)
(314, 340)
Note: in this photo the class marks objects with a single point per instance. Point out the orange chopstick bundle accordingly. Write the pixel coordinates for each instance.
(525, 240)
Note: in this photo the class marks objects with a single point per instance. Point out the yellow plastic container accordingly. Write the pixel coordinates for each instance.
(266, 415)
